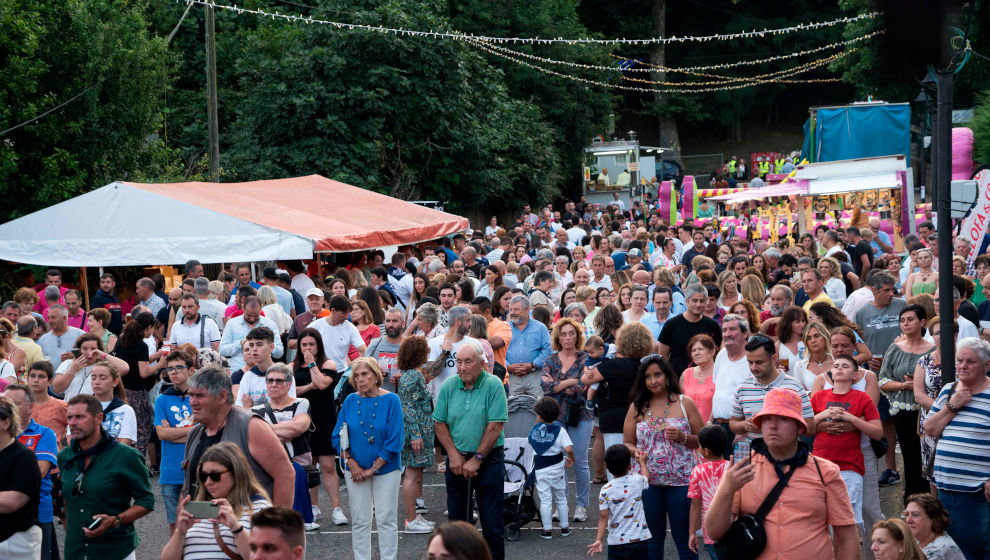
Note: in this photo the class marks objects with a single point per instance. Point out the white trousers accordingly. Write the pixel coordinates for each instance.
(609, 440)
(378, 496)
(24, 545)
(552, 488)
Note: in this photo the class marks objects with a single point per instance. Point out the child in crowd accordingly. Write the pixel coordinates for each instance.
(621, 508)
(48, 411)
(119, 420)
(705, 477)
(842, 403)
(595, 347)
(551, 442)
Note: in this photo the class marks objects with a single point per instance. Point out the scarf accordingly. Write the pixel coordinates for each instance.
(795, 461)
(79, 454)
(543, 436)
(396, 272)
(113, 405)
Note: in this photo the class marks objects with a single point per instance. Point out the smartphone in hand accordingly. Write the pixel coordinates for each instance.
(203, 510)
(740, 451)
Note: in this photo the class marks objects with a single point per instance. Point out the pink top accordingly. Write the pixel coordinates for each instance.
(700, 393)
(704, 481)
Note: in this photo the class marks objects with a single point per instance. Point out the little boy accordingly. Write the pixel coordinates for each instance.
(595, 347)
(621, 508)
(705, 477)
(845, 404)
(550, 442)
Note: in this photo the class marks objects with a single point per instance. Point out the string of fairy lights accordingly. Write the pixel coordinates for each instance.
(718, 82)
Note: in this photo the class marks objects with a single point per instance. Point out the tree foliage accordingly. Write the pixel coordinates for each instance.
(981, 130)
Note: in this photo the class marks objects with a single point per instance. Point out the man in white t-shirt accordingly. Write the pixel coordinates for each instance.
(442, 362)
(339, 335)
(731, 369)
(195, 328)
(248, 383)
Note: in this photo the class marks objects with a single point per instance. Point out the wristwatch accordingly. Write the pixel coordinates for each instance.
(116, 522)
(532, 366)
(479, 457)
(311, 365)
(951, 406)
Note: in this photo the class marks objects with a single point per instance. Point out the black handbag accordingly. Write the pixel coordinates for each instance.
(746, 537)
(880, 446)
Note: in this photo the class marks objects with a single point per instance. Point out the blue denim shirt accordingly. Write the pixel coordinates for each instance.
(532, 344)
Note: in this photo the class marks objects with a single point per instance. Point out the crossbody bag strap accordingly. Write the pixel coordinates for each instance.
(771, 499)
(202, 331)
(223, 546)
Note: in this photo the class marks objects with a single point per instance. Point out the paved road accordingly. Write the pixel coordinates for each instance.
(331, 541)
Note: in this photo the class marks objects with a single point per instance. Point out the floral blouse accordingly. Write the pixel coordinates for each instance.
(668, 463)
(417, 416)
(571, 396)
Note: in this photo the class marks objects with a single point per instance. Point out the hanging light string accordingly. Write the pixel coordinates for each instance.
(763, 33)
(722, 79)
(485, 47)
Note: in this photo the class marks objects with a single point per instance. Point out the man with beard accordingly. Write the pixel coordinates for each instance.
(677, 332)
(385, 349)
(780, 299)
(194, 328)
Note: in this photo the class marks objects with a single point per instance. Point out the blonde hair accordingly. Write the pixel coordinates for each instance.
(634, 340)
(370, 363)
(9, 412)
(245, 486)
(560, 324)
(822, 330)
(266, 295)
(752, 289)
(900, 532)
(834, 265)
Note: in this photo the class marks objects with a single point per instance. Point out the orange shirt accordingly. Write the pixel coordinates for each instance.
(53, 414)
(501, 329)
(797, 526)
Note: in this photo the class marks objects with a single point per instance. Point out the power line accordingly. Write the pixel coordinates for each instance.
(50, 111)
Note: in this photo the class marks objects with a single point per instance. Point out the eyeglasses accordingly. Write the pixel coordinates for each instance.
(276, 381)
(173, 369)
(214, 476)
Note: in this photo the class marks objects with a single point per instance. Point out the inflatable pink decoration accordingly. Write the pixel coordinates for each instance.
(962, 153)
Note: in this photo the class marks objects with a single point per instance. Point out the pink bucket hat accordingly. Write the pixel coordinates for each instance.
(782, 402)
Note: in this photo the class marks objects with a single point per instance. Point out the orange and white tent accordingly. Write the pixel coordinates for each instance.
(133, 224)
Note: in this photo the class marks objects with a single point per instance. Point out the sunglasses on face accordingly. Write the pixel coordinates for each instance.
(214, 476)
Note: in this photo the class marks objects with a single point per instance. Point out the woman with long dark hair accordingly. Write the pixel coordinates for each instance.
(140, 376)
(316, 376)
(790, 337)
(369, 295)
(663, 424)
(500, 302)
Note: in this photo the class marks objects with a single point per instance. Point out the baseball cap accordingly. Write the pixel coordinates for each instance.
(270, 273)
(314, 292)
(635, 253)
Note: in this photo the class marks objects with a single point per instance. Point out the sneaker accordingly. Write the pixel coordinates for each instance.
(311, 526)
(421, 506)
(580, 513)
(889, 478)
(418, 526)
(338, 517)
(316, 512)
(425, 520)
(565, 531)
(556, 515)
(546, 535)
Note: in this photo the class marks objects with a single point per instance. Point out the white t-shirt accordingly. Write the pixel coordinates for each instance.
(727, 376)
(623, 499)
(337, 340)
(253, 385)
(7, 371)
(121, 422)
(283, 416)
(183, 333)
(555, 471)
(449, 368)
(80, 384)
(605, 282)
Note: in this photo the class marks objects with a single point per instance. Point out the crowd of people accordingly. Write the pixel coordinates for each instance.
(691, 380)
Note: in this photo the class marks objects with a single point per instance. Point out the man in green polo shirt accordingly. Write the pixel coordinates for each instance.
(470, 411)
(103, 481)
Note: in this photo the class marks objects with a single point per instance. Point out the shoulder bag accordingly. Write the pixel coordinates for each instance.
(313, 478)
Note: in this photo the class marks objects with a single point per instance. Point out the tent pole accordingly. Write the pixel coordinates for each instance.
(85, 285)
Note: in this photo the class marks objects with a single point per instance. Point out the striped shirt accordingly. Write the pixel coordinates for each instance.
(749, 397)
(201, 543)
(962, 458)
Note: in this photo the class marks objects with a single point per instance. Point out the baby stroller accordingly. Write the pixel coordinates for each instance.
(519, 485)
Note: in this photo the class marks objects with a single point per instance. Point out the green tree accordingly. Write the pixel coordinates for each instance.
(981, 130)
(52, 51)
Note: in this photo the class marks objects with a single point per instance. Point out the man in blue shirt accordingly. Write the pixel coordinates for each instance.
(529, 348)
(243, 274)
(42, 441)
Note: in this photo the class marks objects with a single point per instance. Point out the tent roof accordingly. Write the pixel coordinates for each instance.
(130, 224)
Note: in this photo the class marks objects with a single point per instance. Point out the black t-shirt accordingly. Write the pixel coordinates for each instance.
(19, 471)
(613, 401)
(676, 334)
(856, 251)
(845, 269)
(132, 355)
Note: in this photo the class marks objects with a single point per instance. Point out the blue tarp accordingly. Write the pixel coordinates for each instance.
(859, 131)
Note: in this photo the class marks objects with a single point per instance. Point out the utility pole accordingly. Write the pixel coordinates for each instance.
(211, 94)
(943, 199)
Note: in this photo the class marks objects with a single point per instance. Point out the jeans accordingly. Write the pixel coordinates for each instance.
(170, 497)
(660, 503)
(581, 436)
(711, 551)
(378, 494)
(629, 551)
(487, 489)
(906, 426)
(49, 542)
(970, 521)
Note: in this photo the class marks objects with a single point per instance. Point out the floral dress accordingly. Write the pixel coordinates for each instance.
(417, 415)
(571, 396)
(933, 386)
(668, 463)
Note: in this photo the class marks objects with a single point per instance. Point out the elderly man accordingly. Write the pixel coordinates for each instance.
(962, 457)
(470, 411)
(24, 338)
(761, 356)
(881, 241)
(145, 290)
(528, 350)
(782, 464)
(237, 329)
(731, 369)
(217, 419)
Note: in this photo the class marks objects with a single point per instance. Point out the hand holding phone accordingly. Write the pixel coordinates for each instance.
(76, 352)
(740, 451)
(96, 523)
(203, 510)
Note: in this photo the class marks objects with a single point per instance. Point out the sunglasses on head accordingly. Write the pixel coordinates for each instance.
(649, 357)
(214, 476)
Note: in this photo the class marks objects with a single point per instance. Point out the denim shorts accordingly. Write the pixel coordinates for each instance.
(170, 495)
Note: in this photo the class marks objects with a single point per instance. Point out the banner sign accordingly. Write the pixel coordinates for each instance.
(975, 224)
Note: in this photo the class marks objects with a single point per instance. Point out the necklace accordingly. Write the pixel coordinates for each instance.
(666, 411)
(371, 423)
(819, 364)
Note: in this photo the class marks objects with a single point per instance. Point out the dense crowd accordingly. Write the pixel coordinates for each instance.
(692, 378)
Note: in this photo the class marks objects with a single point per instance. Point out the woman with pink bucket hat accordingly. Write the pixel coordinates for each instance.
(796, 526)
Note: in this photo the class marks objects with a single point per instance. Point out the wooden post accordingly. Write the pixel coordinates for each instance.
(85, 287)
